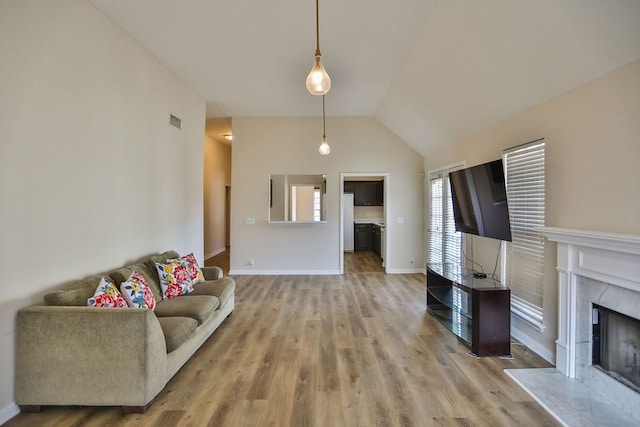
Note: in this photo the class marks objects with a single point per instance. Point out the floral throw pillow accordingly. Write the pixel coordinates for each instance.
(193, 269)
(107, 295)
(174, 278)
(136, 292)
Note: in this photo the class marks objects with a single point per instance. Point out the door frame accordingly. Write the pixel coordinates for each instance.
(227, 216)
(386, 177)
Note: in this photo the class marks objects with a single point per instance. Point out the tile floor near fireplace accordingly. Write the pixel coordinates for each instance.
(570, 401)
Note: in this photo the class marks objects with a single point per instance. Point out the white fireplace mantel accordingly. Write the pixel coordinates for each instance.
(615, 242)
(610, 258)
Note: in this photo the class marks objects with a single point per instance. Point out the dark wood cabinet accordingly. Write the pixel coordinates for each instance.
(366, 193)
(375, 238)
(476, 310)
(379, 193)
(363, 239)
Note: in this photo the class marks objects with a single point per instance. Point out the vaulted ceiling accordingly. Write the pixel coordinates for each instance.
(432, 71)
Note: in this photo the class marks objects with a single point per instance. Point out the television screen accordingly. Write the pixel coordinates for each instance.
(479, 199)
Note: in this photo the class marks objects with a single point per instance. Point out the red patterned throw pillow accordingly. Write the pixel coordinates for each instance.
(174, 278)
(107, 295)
(137, 293)
(194, 270)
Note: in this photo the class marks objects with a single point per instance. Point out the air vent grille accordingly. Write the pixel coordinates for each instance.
(174, 121)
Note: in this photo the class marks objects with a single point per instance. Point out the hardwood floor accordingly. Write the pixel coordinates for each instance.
(362, 262)
(351, 350)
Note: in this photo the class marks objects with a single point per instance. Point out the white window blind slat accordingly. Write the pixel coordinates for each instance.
(524, 255)
(445, 244)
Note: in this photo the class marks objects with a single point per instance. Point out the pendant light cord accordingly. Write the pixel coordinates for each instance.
(323, 130)
(317, 29)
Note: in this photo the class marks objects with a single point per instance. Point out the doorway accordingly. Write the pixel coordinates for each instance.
(222, 258)
(363, 215)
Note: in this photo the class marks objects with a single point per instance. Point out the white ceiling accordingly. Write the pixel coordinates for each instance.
(432, 71)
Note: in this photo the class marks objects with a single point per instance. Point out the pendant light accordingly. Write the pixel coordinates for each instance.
(324, 146)
(318, 80)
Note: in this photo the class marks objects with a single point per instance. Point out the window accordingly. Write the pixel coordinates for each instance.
(445, 244)
(305, 203)
(523, 259)
(316, 204)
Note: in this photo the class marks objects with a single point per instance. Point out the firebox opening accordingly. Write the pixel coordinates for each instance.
(616, 345)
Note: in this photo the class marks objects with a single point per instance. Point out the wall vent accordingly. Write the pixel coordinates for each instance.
(174, 121)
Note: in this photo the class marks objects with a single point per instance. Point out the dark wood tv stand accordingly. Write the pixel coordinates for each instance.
(476, 310)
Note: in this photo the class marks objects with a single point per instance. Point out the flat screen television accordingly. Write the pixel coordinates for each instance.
(479, 197)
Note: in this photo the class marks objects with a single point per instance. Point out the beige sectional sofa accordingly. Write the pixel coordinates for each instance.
(71, 354)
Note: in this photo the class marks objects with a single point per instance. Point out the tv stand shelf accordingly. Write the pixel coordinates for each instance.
(476, 310)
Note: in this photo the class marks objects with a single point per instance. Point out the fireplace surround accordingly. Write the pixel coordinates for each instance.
(594, 270)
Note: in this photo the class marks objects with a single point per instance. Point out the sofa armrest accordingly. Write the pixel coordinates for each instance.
(72, 355)
(212, 273)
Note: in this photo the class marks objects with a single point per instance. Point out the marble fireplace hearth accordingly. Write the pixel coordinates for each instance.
(593, 268)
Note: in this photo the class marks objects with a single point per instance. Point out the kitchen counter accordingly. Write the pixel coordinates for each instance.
(377, 221)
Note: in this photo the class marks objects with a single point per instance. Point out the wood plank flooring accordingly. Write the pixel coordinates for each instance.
(351, 350)
(362, 262)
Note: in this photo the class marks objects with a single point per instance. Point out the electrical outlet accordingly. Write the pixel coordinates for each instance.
(252, 261)
(412, 260)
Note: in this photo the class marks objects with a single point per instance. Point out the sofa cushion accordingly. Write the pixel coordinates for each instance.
(222, 288)
(107, 295)
(177, 330)
(77, 293)
(121, 275)
(161, 258)
(195, 307)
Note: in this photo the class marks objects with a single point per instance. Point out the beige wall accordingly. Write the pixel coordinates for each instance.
(593, 178)
(217, 175)
(264, 146)
(91, 174)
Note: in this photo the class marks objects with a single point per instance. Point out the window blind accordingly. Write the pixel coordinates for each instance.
(444, 242)
(524, 258)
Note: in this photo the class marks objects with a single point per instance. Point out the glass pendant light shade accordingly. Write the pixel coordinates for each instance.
(324, 147)
(318, 80)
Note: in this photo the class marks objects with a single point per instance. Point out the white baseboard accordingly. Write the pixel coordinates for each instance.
(313, 272)
(214, 253)
(405, 271)
(534, 346)
(8, 412)
(282, 272)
